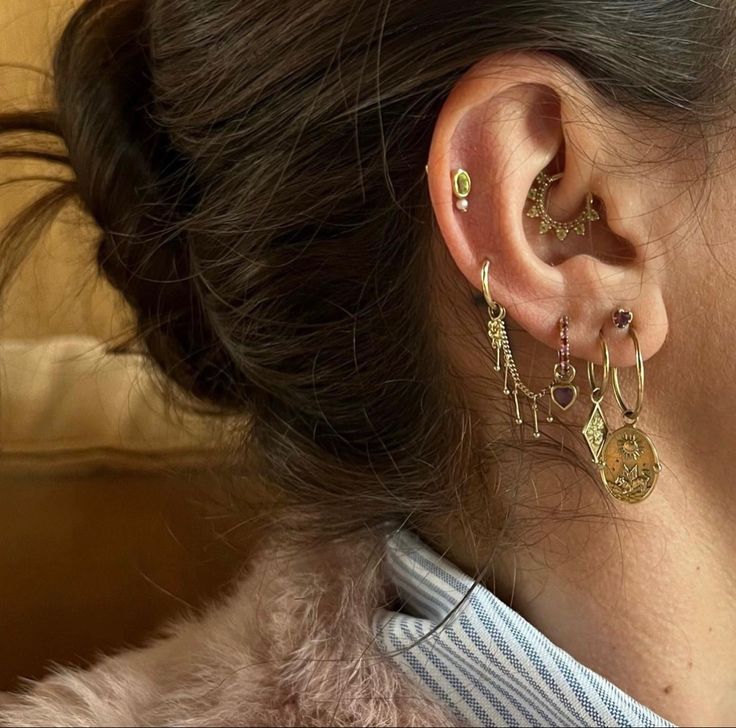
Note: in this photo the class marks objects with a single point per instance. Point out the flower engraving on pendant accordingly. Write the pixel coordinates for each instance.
(629, 465)
(633, 483)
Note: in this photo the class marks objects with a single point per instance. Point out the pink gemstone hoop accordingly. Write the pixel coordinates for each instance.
(563, 392)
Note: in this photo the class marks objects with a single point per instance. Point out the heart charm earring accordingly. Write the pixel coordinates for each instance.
(563, 392)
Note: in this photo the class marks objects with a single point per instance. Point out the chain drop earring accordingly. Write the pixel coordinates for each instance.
(513, 386)
(629, 462)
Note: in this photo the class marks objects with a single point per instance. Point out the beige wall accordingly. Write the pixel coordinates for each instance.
(95, 561)
(57, 290)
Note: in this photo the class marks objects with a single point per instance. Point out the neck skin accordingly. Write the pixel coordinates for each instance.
(642, 594)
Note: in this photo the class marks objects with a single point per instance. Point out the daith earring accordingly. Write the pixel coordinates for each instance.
(561, 228)
(461, 189)
(629, 464)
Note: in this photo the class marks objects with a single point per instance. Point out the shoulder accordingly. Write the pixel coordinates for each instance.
(291, 645)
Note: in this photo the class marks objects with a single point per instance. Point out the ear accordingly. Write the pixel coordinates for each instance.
(509, 118)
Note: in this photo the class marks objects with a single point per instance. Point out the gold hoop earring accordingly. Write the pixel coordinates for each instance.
(629, 464)
(563, 392)
(561, 228)
(595, 431)
(513, 386)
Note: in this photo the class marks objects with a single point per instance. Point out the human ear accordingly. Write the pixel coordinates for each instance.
(506, 120)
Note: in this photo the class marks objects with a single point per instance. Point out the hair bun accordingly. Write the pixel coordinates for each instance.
(138, 188)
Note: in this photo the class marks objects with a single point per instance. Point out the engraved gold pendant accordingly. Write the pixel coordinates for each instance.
(595, 432)
(628, 461)
(629, 465)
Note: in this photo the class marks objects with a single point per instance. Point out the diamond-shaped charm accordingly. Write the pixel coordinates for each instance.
(595, 432)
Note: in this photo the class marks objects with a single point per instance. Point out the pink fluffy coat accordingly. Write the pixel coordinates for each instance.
(291, 646)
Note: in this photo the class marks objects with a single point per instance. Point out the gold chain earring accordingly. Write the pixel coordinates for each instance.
(513, 386)
(629, 464)
(538, 196)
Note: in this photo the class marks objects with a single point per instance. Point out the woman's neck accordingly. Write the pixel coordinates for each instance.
(643, 595)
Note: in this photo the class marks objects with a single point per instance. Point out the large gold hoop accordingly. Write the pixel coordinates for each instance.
(631, 413)
(597, 391)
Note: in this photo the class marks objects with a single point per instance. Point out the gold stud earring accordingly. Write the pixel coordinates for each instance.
(595, 431)
(461, 189)
(538, 196)
(629, 463)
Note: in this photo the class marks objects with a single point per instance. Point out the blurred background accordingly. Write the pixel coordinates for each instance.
(114, 513)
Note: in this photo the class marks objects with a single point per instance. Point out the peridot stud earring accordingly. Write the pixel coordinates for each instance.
(461, 189)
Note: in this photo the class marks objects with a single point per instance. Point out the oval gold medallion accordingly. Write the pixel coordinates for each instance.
(630, 465)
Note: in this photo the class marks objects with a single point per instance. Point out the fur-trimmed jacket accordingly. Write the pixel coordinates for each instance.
(292, 645)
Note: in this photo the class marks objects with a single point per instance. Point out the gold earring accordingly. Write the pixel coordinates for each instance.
(629, 463)
(563, 392)
(538, 195)
(595, 431)
(512, 384)
(461, 189)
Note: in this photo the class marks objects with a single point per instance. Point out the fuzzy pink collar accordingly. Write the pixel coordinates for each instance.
(292, 645)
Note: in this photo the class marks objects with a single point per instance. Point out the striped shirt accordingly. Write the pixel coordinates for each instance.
(487, 663)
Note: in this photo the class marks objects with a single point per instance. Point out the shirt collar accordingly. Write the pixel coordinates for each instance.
(483, 660)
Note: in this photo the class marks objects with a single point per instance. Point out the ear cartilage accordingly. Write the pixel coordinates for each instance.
(461, 189)
(561, 228)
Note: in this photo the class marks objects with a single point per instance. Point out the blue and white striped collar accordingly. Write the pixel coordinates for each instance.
(487, 664)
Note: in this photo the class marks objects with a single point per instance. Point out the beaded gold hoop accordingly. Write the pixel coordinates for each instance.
(538, 195)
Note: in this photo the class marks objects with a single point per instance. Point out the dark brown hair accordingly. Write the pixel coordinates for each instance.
(256, 170)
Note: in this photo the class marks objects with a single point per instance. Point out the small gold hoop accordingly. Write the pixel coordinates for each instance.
(629, 413)
(496, 310)
(597, 391)
(562, 377)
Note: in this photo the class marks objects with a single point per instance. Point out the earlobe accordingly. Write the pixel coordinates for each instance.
(553, 253)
